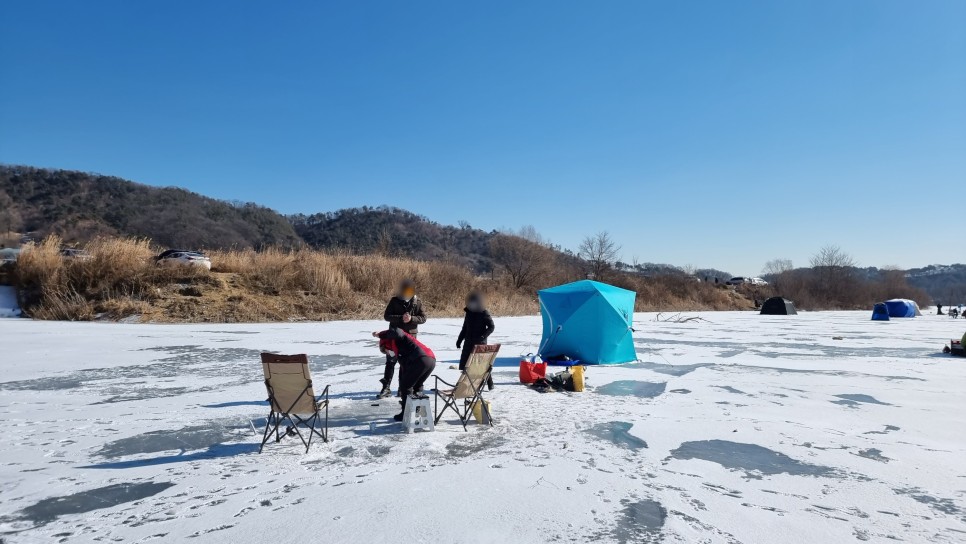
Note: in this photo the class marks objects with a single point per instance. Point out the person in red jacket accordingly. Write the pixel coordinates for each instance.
(416, 362)
(405, 312)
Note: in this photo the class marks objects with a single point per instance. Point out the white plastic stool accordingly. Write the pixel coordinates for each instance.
(418, 415)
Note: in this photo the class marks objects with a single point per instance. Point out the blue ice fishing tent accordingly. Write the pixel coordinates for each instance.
(588, 321)
(880, 312)
(900, 307)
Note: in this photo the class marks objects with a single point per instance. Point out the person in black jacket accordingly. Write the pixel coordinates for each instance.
(477, 327)
(404, 312)
(416, 362)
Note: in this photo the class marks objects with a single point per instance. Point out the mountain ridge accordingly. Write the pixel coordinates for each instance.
(79, 206)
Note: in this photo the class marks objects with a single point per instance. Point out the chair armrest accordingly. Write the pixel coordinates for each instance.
(323, 394)
(438, 379)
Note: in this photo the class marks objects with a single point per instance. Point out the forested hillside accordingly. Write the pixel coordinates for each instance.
(391, 231)
(79, 206)
(945, 283)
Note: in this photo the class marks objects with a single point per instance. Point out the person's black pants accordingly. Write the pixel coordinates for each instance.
(390, 370)
(413, 374)
(465, 356)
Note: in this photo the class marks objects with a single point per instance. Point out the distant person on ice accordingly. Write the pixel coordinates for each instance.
(477, 327)
(404, 312)
(416, 362)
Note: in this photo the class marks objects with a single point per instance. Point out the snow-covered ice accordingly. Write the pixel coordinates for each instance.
(743, 428)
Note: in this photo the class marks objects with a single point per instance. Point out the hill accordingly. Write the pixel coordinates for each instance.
(391, 231)
(79, 206)
(946, 284)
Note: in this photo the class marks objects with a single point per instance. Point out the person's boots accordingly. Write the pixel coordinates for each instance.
(385, 392)
(489, 383)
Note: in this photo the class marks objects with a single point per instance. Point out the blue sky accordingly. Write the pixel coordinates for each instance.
(706, 133)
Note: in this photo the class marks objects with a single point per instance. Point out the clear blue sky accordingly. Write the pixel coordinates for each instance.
(707, 133)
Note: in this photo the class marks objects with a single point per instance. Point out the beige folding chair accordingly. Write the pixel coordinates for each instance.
(469, 386)
(290, 397)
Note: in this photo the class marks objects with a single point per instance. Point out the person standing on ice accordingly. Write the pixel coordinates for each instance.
(416, 362)
(404, 312)
(477, 327)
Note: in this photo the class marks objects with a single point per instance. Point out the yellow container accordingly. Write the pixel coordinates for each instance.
(480, 415)
(577, 372)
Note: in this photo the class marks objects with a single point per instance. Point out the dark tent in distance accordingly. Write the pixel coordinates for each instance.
(880, 312)
(778, 306)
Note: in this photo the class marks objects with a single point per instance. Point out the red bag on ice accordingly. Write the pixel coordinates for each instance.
(532, 369)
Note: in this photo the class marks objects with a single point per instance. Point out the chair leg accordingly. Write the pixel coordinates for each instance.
(486, 409)
(272, 417)
(295, 427)
(465, 416)
(448, 404)
(438, 414)
(312, 431)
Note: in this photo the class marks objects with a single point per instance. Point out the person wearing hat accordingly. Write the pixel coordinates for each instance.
(416, 362)
(477, 327)
(404, 312)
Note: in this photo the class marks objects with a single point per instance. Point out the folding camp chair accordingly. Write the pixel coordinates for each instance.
(291, 396)
(469, 386)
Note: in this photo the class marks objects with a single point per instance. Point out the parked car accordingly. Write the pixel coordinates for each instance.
(74, 253)
(737, 280)
(181, 257)
(9, 255)
(757, 281)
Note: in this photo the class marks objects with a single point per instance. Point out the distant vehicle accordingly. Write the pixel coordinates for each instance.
(181, 257)
(757, 281)
(9, 255)
(74, 253)
(738, 280)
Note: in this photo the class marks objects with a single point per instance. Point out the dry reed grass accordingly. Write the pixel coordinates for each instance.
(121, 279)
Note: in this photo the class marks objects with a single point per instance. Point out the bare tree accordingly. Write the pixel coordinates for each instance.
(599, 251)
(832, 256)
(893, 281)
(384, 241)
(9, 216)
(777, 267)
(780, 273)
(521, 256)
(834, 275)
(529, 233)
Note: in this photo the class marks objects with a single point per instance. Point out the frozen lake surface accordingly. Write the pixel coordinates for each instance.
(743, 428)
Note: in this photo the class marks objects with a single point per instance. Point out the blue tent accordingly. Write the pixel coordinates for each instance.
(880, 312)
(900, 307)
(588, 321)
